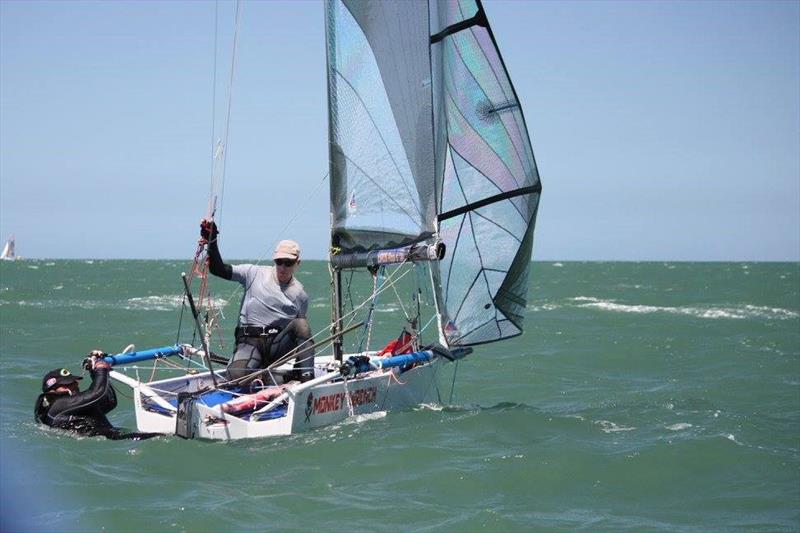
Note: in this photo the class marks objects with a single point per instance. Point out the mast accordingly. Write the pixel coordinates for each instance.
(336, 323)
(336, 273)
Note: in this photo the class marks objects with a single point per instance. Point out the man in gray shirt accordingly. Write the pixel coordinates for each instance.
(273, 316)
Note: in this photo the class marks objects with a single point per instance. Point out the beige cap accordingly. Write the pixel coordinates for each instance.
(287, 250)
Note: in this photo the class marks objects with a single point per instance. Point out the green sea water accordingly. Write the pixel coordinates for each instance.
(641, 397)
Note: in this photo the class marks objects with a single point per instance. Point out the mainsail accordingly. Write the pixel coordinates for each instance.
(428, 144)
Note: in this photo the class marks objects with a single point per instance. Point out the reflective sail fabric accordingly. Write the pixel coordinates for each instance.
(380, 119)
(428, 141)
(490, 187)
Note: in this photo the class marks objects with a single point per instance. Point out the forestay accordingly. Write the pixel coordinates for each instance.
(428, 143)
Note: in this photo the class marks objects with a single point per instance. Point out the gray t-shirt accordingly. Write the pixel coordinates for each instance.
(266, 302)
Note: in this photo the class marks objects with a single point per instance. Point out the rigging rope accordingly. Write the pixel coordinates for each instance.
(230, 101)
(213, 105)
(297, 212)
(200, 266)
(376, 274)
(282, 232)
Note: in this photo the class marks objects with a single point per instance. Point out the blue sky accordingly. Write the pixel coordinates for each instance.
(662, 130)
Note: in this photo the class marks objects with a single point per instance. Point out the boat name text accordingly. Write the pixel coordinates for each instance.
(335, 402)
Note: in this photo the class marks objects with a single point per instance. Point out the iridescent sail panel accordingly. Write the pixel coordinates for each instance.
(490, 185)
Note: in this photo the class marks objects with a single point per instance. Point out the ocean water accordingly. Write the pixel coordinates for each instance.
(641, 397)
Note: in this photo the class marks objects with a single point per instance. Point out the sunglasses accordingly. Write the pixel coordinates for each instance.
(285, 262)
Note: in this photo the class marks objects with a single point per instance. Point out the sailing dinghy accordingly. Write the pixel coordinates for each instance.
(432, 177)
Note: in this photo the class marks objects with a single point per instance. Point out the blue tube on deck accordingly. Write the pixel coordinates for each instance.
(144, 355)
(403, 360)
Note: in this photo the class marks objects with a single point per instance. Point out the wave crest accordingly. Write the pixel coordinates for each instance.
(739, 312)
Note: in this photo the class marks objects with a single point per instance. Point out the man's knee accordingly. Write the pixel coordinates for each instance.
(300, 328)
(237, 369)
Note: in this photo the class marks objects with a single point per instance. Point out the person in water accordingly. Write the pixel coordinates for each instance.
(272, 317)
(62, 405)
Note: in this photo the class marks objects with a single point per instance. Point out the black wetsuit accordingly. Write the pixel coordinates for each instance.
(85, 412)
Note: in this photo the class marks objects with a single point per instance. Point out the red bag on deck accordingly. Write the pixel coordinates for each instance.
(402, 344)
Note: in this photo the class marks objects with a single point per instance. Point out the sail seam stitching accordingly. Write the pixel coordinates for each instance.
(452, 148)
(455, 109)
(380, 135)
(374, 181)
(489, 220)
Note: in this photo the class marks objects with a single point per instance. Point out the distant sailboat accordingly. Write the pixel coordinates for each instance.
(8, 253)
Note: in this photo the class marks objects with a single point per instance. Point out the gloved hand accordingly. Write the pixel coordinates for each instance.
(95, 360)
(208, 230)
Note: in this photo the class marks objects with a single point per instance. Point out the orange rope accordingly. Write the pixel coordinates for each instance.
(200, 269)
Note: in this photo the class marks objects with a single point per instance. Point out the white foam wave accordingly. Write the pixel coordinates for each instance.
(740, 312)
(610, 427)
(679, 426)
(154, 303)
(559, 265)
(82, 304)
(428, 407)
(732, 438)
(164, 302)
(143, 303)
(543, 307)
(359, 419)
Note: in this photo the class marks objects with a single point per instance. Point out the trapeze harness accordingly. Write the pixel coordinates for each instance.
(258, 347)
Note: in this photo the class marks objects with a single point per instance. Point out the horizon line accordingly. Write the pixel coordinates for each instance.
(258, 261)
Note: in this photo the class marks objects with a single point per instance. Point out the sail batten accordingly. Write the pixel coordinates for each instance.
(478, 20)
(534, 189)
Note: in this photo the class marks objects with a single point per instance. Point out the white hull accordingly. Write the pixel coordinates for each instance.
(323, 401)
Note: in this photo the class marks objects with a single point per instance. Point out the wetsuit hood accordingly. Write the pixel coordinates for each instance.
(58, 377)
